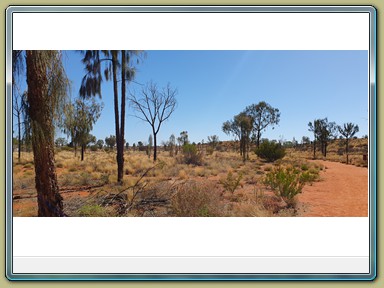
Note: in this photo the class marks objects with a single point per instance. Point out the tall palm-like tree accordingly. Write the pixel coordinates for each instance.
(91, 86)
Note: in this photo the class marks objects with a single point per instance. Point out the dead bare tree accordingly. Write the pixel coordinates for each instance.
(154, 107)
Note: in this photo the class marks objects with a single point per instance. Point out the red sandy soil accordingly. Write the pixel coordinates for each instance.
(342, 191)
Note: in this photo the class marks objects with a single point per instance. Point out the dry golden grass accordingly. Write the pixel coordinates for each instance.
(100, 168)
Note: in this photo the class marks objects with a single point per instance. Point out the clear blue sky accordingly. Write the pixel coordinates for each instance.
(213, 86)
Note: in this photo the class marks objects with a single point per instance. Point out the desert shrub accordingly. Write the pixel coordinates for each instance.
(85, 178)
(231, 182)
(195, 199)
(94, 148)
(92, 211)
(286, 182)
(270, 151)
(308, 177)
(209, 150)
(191, 155)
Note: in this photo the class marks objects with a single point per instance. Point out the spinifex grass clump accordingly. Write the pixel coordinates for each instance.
(270, 151)
(196, 199)
(286, 182)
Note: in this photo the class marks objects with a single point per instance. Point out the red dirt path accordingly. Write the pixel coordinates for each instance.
(342, 191)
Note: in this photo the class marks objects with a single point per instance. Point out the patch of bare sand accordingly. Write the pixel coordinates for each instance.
(342, 191)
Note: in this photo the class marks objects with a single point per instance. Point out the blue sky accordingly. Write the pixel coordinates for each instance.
(213, 86)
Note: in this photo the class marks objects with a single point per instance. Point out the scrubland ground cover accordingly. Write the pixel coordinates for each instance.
(191, 183)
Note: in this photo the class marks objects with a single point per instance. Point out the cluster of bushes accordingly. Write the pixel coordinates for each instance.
(287, 182)
(270, 151)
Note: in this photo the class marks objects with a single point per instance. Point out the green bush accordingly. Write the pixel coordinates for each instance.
(92, 211)
(94, 148)
(286, 182)
(270, 151)
(191, 155)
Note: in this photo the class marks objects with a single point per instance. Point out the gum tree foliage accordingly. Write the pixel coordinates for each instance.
(183, 139)
(60, 142)
(108, 65)
(263, 115)
(240, 127)
(48, 87)
(100, 143)
(110, 141)
(323, 132)
(348, 130)
(327, 132)
(154, 106)
(79, 119)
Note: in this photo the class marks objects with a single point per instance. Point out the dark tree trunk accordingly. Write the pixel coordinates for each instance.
(347, 150)
(325, 149)
(82, 151)
(258, 139)
(122, 127)
(48, 197)
(117, 126)
(154, 146)
(19, 136)
(314, 149)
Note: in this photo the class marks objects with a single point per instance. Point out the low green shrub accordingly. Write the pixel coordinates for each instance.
(270, 151)
(286, 182)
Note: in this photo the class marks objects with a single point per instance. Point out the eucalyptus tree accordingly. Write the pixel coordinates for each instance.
(47, 91)
(17, 97)
(17, 108)
(80, 117)
(348, 131)
(263, 115)
(326, 132)
(112, 62)
(314, 127)
(154, 106)
(110, 141)
(240, 127)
